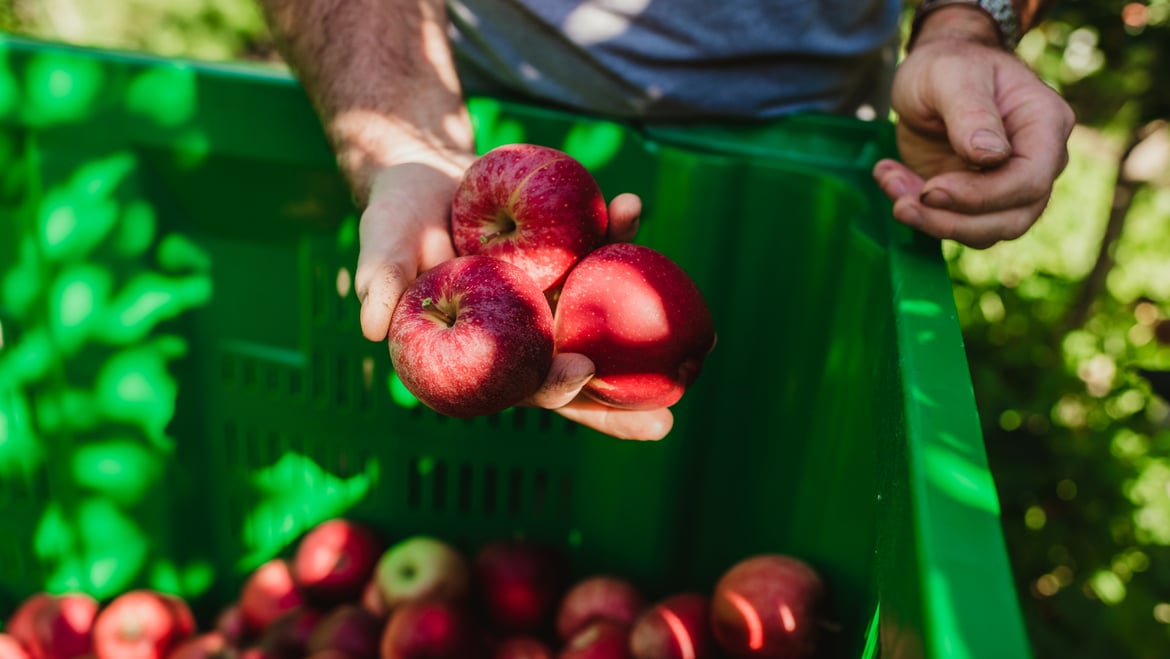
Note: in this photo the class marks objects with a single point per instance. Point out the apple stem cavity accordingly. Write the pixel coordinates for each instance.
(429, 305)
(507, 225)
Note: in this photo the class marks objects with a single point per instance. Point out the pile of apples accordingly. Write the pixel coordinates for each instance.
(341, 595)
(533, 276)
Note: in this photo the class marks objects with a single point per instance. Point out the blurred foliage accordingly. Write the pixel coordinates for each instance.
(88, 383)
(203, 29)
(1066, 328)
(1067, 331)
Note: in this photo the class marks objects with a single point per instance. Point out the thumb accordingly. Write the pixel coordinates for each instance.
(378, 285)
(974, 124)
(624, 212)
(569, 373)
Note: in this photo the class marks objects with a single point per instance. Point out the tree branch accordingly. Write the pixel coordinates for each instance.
(1093, 284)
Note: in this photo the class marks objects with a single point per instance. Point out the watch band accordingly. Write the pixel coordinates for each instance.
(1003, 12)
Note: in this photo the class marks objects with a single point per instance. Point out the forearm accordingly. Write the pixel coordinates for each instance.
(381, 77)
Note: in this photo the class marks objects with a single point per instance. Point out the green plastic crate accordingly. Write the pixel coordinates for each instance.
(184, 388)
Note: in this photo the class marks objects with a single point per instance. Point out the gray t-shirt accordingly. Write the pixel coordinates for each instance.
(671, 59)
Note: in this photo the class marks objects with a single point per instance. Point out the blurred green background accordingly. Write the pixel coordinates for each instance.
(1067, 329)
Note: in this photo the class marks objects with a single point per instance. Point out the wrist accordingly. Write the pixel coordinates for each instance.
(961, 21)
(367, 143)
(957, 22)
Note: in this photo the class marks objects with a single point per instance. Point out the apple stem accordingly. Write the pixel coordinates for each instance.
(486, 237)
(508, 226)
(429, 305)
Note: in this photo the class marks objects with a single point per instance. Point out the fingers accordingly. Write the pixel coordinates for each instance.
(386, 265)
(624, 212)
(642, 425)
(1040, 154)
(569, 372)
(379, 283)
(963, 96)
(403, 231)
(896, 179)
(1023, 182)
(561, 392)
(979, 230)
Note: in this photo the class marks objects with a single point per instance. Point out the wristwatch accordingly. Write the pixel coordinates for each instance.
(1002, 11)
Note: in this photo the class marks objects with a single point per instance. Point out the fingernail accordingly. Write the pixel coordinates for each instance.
(937, 199)
(986, 140)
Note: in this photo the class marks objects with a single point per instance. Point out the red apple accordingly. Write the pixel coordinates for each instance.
(472, 336)
(599, 597)
(600, 639)
(268, 593)
(55, 626)
(520, 583)
(420, 568)
(20, 625)
(523, 647)
(141, 624)
(287, 637)
(64, 626)
(184, 618)
(674, 628)
(230, 624)
(349, 629)
(208, 645)
(641, 319)
(10, 648)
(767, 606)
(430, 629)
(334, 561)
(533, 206)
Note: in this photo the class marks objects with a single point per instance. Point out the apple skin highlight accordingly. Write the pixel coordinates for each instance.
(641, 320)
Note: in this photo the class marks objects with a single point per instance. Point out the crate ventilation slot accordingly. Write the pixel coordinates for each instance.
(468, 489)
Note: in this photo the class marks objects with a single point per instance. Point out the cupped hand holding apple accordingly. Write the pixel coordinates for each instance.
(405, 230)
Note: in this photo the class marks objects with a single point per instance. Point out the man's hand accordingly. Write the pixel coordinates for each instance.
(405, 231)
(981, 138)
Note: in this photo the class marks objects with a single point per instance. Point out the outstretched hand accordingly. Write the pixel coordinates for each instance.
(405, 230)
(982, 140)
